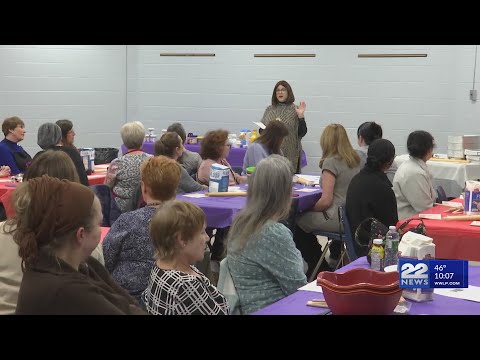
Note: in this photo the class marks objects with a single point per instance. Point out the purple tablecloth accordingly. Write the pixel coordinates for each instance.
(235, 158)
(220, 211)
(295, 304)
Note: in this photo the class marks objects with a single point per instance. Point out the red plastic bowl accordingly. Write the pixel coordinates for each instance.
(361, 302)
(360, 291)
(359, 279)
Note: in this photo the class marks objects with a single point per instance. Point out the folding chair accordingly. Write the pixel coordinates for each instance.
(345, 236)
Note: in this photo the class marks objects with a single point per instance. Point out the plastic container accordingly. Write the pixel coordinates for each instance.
(150, 137)
(377, 255)
(472, 197)
(219, 178)
(254, 136)
(88, 158)
(233, 139)
(392, 238)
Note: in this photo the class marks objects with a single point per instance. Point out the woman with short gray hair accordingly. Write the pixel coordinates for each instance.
(123, 175)
(264, 263)
(49, 136)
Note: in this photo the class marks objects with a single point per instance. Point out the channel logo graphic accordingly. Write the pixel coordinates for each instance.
(428, 274)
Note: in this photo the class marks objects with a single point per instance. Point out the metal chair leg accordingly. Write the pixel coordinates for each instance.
(340, 259)
(319, 263)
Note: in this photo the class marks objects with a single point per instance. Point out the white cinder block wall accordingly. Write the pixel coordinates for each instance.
(83, 83)
(101, 87)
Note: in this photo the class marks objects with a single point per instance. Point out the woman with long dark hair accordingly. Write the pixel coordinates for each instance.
(370, 193)
(268, 143)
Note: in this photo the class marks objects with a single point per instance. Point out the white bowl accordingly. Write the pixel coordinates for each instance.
(391, 268)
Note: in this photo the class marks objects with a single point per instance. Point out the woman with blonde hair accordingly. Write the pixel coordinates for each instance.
(123, 175)
(58, 227)
(176, 286)
(339, 164)
(262, 258)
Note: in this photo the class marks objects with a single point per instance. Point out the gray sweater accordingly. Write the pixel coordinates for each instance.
(190, 161)
(413, 187)
(187, 184)
(256, 152)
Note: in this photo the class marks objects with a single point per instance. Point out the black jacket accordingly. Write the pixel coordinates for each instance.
(370, 194)
(77, 161)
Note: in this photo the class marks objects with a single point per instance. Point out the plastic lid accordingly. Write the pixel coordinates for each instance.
(392, 227)
(378, 241)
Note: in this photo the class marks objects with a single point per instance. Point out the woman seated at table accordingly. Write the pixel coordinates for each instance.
(266, 144)
(367, 133)
(55, 164)
(12, 154)
(176, 286)
(189, 160)
(171, 145)
(68, 134)
(339, 164)
(215, 148)
(264, 263)
(127, 247)
(370, 192)
(123, 175)
(49, 136)
(412, 184)
(58, 227)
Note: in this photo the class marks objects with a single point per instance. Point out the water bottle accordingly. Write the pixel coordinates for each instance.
(377, 254)
(391, 246)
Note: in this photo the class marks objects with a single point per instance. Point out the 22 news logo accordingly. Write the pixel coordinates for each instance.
(414, 274)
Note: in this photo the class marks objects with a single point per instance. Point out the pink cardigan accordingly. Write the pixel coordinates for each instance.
(203, 173)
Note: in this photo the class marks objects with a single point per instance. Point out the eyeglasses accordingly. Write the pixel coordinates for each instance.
(281, 90)
(229, 145)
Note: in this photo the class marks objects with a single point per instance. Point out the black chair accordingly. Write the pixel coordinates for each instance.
(110, 209)
(237, 169)
(441, 194)
(348, 234)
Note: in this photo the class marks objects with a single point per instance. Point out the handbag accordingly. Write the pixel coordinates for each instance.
(369, 230)
(419, 229)
(22, 160)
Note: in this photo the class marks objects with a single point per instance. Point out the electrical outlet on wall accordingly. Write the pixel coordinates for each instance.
(473, 95)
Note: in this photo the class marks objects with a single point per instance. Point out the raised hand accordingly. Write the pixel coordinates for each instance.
(301, 109)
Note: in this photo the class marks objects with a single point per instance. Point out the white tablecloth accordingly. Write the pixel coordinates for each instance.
(451, 176)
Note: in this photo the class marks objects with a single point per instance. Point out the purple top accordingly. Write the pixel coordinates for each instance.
(235, 158)
(296, 304)
(220, 211)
